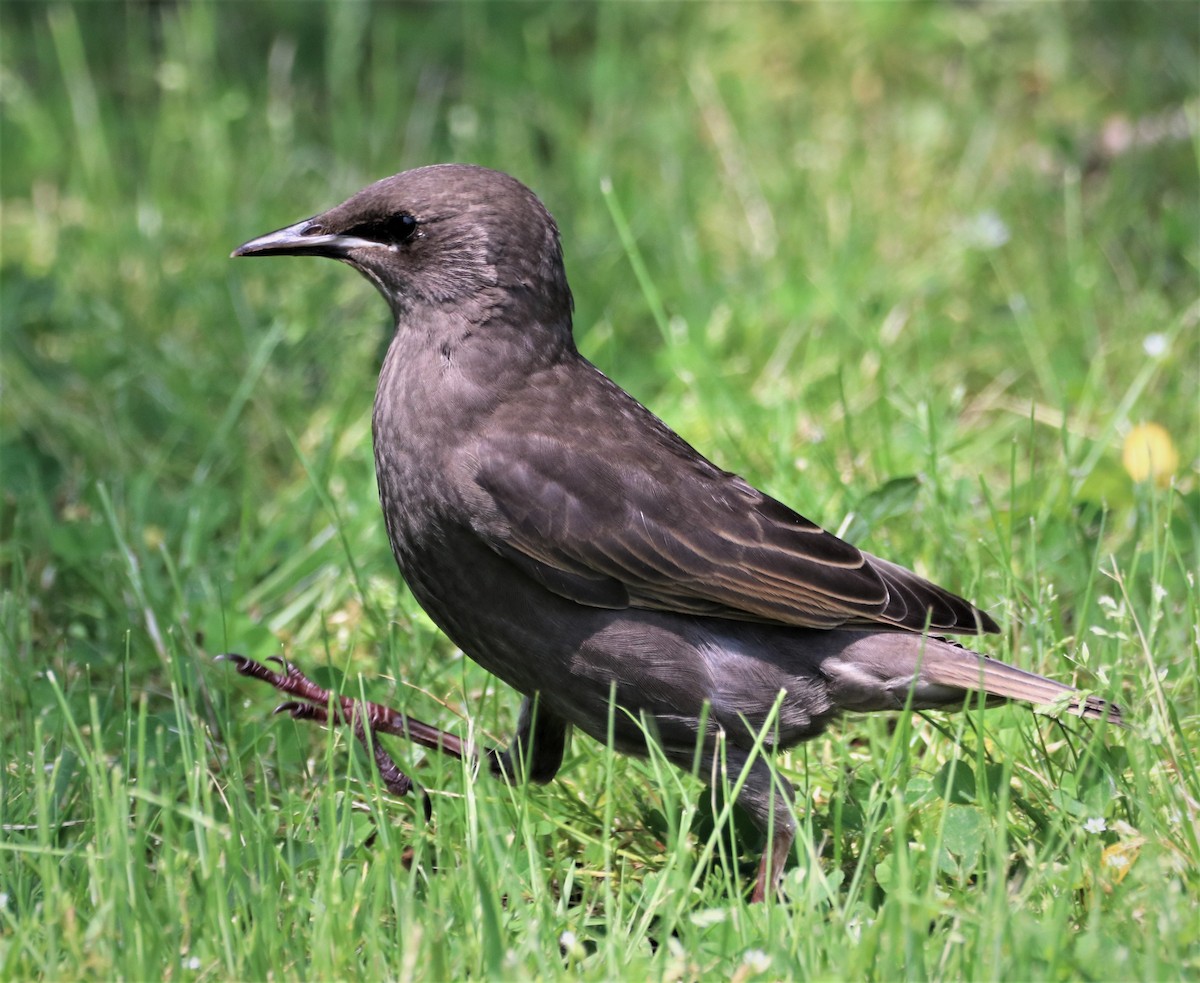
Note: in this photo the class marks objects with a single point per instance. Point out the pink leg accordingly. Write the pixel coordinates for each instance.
(315, 703)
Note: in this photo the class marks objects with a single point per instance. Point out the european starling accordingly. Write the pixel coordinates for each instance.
(574, 546)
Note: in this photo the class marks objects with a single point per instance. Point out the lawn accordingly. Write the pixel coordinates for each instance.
(925, 272)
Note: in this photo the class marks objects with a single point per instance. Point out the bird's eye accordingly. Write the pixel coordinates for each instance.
(405, 226)
(392, 230)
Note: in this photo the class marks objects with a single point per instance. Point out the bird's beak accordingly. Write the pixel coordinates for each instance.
(307, 238)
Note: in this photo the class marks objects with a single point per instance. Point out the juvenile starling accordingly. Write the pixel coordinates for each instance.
(574, 546)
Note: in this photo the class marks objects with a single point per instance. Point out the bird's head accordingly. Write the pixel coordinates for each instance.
(446, 238)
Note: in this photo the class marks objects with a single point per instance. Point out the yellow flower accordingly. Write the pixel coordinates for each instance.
(1150, 454)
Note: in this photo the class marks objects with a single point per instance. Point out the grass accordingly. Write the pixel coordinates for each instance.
(880, 259)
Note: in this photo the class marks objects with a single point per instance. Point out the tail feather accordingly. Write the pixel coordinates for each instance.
(968, 670)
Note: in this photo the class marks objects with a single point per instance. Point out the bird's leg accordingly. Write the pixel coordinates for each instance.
(316, 703)
(770, 867)
(767, 797)
(536, 750)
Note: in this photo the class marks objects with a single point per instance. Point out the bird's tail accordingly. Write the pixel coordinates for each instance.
(963, 669)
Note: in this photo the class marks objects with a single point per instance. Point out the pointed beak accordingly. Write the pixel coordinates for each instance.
(306, 238)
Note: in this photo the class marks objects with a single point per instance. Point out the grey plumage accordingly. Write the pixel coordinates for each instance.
(574, 546)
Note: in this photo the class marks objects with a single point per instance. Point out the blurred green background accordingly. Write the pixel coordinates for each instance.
(916, 269)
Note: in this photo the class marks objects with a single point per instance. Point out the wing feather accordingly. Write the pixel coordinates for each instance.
(632, 515)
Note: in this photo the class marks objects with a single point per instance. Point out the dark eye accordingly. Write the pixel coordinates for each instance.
(403, 226)
(393, 230)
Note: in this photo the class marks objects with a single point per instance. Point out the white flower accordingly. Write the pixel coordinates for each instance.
(757, 961)
(569, 943)
(1155, 345)
(985, 230)
(1095, 825)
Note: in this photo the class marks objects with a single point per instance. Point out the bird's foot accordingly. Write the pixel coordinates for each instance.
(368, 719)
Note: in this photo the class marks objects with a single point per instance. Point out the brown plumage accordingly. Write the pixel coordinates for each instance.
(573, 545)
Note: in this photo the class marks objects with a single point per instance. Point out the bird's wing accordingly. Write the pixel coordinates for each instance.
(665, 529)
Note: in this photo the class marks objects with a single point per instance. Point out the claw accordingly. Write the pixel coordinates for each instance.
(290, 707)
(248, 667)
(305, 711)
(245, 666)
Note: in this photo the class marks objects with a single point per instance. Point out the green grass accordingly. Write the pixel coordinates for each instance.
(873, 257)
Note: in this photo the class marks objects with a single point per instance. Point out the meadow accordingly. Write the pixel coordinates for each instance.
(926, 272)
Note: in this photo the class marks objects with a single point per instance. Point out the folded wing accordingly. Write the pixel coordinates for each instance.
(668, 530)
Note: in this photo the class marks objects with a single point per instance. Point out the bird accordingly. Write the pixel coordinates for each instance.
(574, 546)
